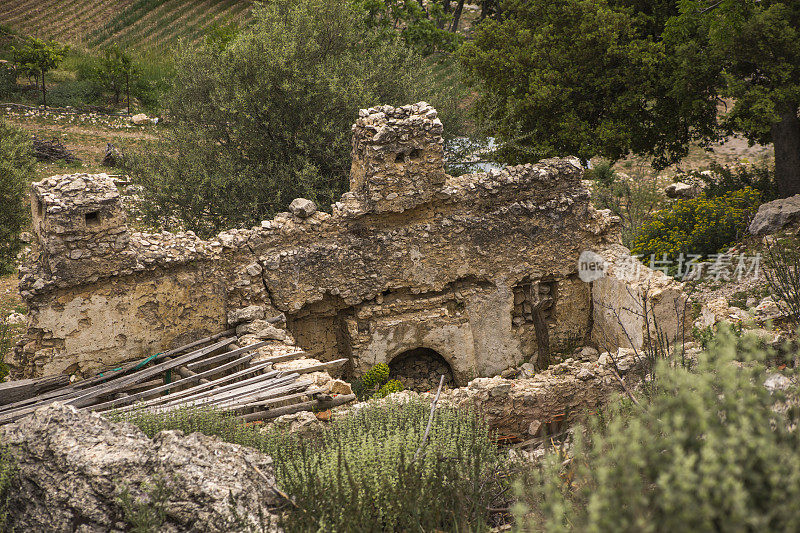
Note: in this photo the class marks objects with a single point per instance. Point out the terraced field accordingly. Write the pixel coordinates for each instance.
(139, 24)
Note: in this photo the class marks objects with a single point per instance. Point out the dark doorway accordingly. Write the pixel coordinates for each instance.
(420, 369)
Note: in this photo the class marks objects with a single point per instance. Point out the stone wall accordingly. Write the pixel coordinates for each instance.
(409, 258)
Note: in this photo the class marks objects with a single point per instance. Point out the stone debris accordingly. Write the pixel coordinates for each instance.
(72, 467)
(303, 208)
(140, 119)
(775, 215)
(682, 190)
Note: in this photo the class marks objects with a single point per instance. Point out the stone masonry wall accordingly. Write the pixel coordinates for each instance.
(410, 258)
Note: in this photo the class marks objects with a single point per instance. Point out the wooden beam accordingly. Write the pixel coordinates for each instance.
(85, 397)
(24, 389)
(190, 379)
(291, 409)
(130, 366)
(198, 388)
(224, 356)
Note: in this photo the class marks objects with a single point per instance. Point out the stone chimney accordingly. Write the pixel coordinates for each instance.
(397, 157)
(80, 226)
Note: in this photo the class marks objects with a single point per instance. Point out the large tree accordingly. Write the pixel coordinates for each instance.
(610, 77)
(263, 115)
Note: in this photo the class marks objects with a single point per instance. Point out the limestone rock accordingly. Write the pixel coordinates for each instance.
(682, 190)
(775, 215)
(775, 382)
(15, 319)
(621, 296)
(527, 370)
(337, 386)
(302, 207)
(140, 119)
(245, 314)
(767, 309)
(73, 465)
(304, 423)
(261, 329)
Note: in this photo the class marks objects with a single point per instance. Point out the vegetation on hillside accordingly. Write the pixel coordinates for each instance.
(608, 77)
(264, 116)
(712, 450)
(16, 167)
(363, 474)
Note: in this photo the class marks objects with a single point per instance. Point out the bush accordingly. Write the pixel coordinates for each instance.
(723, 179)
(633, 200)
(7, 471)
(709, 452)
(359, 474)
(77, 93)
(263, 115)
(698, 226)
(8, 81)
(16, 171)
(782, 272)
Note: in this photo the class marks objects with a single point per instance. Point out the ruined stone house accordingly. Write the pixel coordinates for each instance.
(412, 264)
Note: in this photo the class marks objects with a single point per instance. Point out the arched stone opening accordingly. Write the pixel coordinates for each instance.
(420, 369)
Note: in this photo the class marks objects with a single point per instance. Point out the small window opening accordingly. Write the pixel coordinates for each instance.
(92, 218)
(415, 154)
(399, 158)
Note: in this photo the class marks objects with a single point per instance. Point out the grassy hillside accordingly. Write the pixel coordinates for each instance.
(139, 24)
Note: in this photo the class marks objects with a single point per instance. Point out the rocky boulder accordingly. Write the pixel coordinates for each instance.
(775, 215)
(682, 190)
(302, 207)
(73, 466)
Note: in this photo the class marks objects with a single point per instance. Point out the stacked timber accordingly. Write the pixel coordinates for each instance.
(213, 372)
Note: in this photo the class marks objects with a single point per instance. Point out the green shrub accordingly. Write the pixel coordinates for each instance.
(263, 116)
(698, 226)
(375, 383)
(76, 93)
(8, 81)
(709, 452)
(633, 200)
(7, 472)
(733, 178)
(782, 272)
(388, 388)
(359, 474)
(16, 171)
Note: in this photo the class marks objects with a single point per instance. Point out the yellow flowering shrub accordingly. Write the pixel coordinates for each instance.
(698, 226)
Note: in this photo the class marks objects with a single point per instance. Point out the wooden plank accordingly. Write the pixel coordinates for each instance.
(291, 409)
(275, 395)
(82, 398)
(68, 392)
(206, 386)
(24, 389)
(268, 402)
(316, 368)
(191, 379)
(130, 366)
(236, 390)
(255, 389)
(223, 356)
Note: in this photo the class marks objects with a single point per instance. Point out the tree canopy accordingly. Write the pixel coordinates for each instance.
(263, 115)
(36, 58)
(608, 78)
